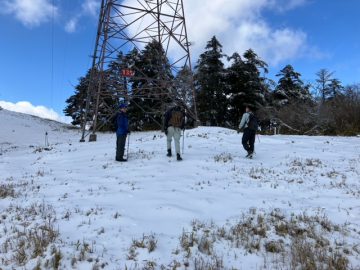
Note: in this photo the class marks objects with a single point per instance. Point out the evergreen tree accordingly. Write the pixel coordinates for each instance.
(108, 102)
(131, 61)
(335, 88)
(77, 102)
(150, 87)
(290, 88)
(255, 84)
(235, 81)
(210, 86)
(116, 83)
(182, 90)
(295, 110)
(245, 85)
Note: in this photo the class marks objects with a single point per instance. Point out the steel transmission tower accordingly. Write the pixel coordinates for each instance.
(125, 25)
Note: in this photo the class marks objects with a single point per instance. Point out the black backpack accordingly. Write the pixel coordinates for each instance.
(253, 123)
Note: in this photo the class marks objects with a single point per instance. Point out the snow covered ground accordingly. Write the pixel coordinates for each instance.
(71, 206)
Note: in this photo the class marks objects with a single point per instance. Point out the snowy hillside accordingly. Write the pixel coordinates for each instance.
(20, 129)
(73, 207)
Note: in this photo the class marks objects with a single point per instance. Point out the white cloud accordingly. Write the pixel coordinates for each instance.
(28, 108)
(273, 45)
(285, 5)
(91, 7)
(88, 8)
(239, 25)
(71, 25)
(30, 12)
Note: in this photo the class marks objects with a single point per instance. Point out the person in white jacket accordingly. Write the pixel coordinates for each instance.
(248, 123)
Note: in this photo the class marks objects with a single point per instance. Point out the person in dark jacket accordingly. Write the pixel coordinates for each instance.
(174, 123)
(248, 139)
(122, 129)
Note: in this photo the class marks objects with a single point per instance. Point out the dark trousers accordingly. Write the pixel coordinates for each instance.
(248, 139)
(120, 146)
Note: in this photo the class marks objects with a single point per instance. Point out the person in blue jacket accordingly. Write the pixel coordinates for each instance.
(122, 129)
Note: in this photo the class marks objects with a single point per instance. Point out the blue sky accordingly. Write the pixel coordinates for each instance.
(46, 44)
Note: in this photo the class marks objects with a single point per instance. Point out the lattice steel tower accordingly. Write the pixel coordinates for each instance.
(131, 24)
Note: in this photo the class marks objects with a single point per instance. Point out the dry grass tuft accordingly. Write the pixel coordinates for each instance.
(7, 190)
(296, 242)
(31, 234)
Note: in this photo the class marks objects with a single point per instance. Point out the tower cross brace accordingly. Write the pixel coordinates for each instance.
(131, 24)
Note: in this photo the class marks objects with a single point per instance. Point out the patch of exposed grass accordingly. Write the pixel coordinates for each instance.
(7, 190)
(148, 242)
(274, 246)
(223, 157)
(296, 242)
(31, 233)
(212, 263)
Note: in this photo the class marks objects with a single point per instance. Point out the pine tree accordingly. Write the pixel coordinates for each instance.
(150, 87)
(116, 83)
(210, 85)
(245, 85)
(235, 81)
(76, 103)
(107, 102)
(295, 110)
(183, 86)
(335, 88)
(255, 84)
(290, 88)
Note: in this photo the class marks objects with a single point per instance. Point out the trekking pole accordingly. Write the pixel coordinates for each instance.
(127, 150)
(258, 137)
(183, 141)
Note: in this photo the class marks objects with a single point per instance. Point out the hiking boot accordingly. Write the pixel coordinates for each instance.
(249, 154)
(169, 153)
(121, 159)
(178, 157)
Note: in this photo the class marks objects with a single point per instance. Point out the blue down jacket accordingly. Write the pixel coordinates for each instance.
(122, 124)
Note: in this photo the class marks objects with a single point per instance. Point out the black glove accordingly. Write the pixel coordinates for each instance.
(238, 130)
(166, 131)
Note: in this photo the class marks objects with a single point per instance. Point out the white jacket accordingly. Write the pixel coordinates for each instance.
(244, 121)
